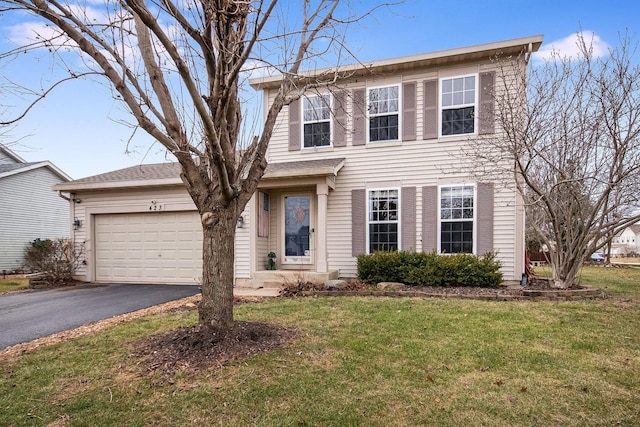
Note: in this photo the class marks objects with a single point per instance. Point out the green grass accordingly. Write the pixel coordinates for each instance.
(13, 284)
(361, 362)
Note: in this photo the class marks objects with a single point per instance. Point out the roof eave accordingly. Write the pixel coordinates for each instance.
(84, 186)
(462, 54)
(306, 172)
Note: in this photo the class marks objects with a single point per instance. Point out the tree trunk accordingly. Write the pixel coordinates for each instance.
(564, 273)
(216, 308)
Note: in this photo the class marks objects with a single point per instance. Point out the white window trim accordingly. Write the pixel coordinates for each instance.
(475, 216)
(368, 211)
(303, 122)
(368, 116)
(475, 105)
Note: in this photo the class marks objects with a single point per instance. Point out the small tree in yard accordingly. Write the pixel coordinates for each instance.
(574, 146)
(178, 67)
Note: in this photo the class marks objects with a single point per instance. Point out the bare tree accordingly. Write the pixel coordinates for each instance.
(572, 138)
(178, 66)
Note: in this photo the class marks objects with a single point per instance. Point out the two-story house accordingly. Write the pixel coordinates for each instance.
(379, 162)
(625, 243)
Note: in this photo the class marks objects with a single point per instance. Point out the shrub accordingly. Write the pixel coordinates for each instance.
(386, 266)
(55, 258)
(430, 269)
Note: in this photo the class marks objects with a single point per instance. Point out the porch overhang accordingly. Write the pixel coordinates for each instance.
(302, 173)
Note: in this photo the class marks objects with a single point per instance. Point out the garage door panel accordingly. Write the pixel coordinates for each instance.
(148, 247)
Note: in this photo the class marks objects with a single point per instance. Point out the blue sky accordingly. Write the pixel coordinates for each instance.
(77, 127)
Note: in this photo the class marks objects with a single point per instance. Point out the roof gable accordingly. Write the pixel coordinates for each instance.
(9, 157)
(18, 168)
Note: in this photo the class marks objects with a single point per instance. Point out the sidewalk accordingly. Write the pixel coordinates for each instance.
(256, 292)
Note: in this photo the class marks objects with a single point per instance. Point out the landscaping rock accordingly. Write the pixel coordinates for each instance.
(335, 284)
(390, 286)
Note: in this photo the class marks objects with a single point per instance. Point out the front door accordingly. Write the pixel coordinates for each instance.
(298, 231)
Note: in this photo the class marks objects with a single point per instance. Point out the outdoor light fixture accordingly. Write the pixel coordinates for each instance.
(240, 223)
(76, 223)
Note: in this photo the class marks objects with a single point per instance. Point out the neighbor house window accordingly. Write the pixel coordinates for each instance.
(458, 105)
(383, 103)
(383, 220)
(457, 214)
(317, 121)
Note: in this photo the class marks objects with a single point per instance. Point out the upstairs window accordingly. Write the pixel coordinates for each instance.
(384, 117)
(457, 215)
(458, 105)
(316, 112)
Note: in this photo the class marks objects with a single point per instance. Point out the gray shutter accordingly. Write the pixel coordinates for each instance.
(430, 219)
(339, 119)
(295, 139)
(359, 117)
(430, 126)
(408, 218)
(485, 218)
(409, 111)
(486, 117)
(358, 222)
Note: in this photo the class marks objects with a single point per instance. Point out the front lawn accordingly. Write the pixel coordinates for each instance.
(13, 284)
(361, 361)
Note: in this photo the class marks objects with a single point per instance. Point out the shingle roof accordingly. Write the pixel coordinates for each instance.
(169, 174)
(8, 167)
(136, 173)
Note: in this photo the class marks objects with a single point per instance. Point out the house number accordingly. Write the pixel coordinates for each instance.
(155, 206)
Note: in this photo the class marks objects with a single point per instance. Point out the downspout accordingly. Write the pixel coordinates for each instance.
(528, 53)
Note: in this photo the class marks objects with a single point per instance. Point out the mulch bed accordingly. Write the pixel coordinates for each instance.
(194, 347)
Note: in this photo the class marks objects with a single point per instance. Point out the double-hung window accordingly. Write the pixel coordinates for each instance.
(457, 216)
(383, 220)
(384, 113)
(316, 121)
(458, 102)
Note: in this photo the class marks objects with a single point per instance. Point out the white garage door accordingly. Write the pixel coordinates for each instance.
(150, 247)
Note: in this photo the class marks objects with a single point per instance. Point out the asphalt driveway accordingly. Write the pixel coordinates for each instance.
(26, 316)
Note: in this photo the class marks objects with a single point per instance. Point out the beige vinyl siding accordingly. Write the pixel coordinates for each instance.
(29, 210)
(242, 246)
(416, 164)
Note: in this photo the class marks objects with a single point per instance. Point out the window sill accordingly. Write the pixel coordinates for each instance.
(377, 144)
(311, 150)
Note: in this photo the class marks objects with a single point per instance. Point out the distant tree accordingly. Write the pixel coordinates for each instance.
(178, 67)
(572, 138)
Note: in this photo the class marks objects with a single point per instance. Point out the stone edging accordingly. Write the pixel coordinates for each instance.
(585, 293)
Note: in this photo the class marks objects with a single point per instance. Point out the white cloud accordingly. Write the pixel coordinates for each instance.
(27, 33)
(568, 46)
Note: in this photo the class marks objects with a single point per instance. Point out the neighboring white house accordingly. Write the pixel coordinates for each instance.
(29, 208)
(375, 163)
(626, 242)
